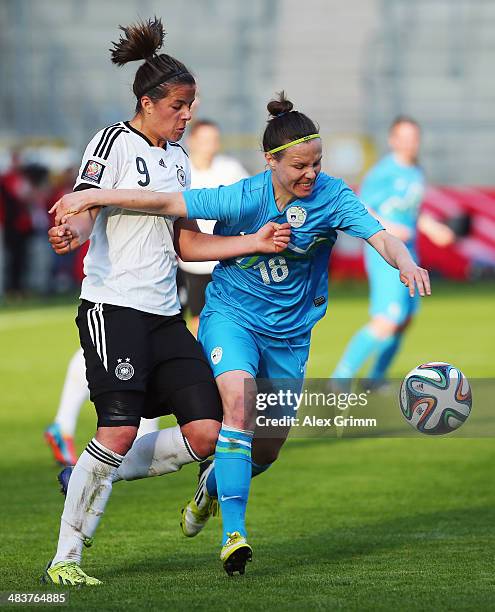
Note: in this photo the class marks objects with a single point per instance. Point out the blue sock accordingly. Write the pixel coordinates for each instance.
(384, 357)
(211, 481)
(233, 474)
(362, 346)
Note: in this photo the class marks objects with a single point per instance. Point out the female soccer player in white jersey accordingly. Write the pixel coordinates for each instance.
(140, 358)
(260, 310)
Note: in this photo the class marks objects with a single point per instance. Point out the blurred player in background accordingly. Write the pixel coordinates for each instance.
(59, 435)
(208, 169)
(392, 191)
(140, 358)
(260, 310)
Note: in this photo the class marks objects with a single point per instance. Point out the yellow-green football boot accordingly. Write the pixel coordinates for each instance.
(235, 553)
(196, 513)
(68, 573)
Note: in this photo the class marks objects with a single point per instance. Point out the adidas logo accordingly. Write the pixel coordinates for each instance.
(162, 163)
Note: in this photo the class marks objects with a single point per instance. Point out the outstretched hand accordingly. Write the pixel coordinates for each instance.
(272, 237)
(413, 276)
(71, 204)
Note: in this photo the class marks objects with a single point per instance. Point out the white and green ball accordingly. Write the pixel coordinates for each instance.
(435, 398)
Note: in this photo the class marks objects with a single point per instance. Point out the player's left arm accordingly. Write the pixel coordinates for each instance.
(71, 235)
(193, 245)
(397, 255)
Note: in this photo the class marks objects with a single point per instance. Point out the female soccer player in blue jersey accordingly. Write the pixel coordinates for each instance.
(141, 361)
(260, 310)
(392, 191)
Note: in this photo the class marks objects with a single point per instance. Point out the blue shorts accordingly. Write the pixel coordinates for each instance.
(230, 346)
(388, 296)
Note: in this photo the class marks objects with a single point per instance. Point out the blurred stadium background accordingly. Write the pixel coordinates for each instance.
(353, 66)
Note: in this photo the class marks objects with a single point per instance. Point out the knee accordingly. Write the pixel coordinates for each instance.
(202, 436)
(238, 393)
(383, 328)
(117, 439)
(237, 412)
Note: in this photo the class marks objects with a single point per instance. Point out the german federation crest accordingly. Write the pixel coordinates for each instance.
(181, 176)
(124, 369)
(296, 216)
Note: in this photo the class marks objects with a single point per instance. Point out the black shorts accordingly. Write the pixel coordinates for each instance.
(196, 286)
(127, 350)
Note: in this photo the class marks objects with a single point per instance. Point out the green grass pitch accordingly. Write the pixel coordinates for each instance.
(353, 524)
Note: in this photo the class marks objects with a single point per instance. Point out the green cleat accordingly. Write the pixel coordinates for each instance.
(196, 513)
(235, 553)
(68, 573)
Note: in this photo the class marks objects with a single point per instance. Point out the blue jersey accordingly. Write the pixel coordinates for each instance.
(285, 294)
(394, 192)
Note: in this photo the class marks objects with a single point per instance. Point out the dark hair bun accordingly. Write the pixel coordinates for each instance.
(280, 105)
(139, 41)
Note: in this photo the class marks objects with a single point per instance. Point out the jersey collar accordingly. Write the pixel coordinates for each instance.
(133, 129)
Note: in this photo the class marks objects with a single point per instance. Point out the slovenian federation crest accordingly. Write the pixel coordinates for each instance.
(296, 216)
(216, 355)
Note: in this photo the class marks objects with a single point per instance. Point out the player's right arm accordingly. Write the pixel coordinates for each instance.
(154, 202)
(221, 203)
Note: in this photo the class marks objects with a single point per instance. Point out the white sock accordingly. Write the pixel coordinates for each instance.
(202, 497)
(147, 426)
(74, 393)
(90, 486)
(161, 452)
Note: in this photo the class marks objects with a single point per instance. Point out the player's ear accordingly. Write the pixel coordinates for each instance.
(270, 160)
(147, 105)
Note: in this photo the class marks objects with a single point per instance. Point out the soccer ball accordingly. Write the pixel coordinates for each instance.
(435, 398)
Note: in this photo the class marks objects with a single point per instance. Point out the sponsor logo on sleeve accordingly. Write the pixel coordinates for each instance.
(93, 171)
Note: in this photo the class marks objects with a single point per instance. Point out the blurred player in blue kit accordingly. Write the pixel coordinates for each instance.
(260, 309)
(392, 191)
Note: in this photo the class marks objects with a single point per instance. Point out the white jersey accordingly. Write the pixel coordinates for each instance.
(131, 259)
(224, 170)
